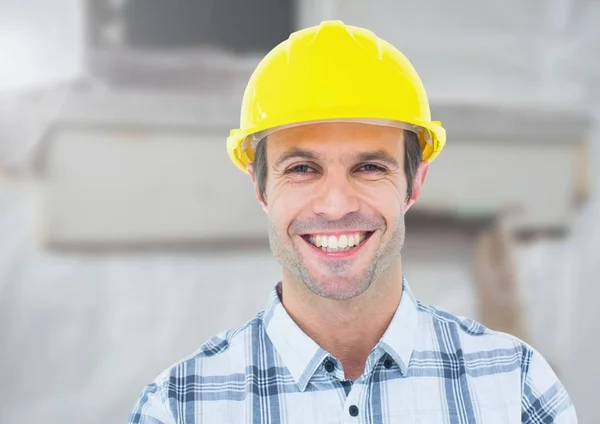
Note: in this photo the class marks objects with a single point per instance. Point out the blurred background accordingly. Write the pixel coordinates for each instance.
(127, 238)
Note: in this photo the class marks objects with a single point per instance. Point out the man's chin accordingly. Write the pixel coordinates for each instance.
(335, 289)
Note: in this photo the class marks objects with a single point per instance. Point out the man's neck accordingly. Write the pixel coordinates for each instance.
(347, 329)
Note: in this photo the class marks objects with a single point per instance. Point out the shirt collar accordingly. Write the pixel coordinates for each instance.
(398, 341)
(302, 356)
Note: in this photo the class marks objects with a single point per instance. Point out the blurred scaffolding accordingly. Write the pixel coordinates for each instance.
(127, 238)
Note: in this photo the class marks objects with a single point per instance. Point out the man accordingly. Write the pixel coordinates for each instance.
(337, 137)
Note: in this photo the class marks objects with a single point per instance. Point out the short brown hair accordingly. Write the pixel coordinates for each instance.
(412, 159)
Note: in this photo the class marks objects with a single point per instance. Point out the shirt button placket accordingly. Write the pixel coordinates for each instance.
(352, 412)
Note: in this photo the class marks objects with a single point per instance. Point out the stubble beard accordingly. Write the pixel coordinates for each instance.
(337, 287)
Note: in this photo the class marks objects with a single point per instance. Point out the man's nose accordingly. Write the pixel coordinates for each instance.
(336, 197)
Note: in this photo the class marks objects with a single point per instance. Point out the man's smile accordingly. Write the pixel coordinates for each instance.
(340, 243)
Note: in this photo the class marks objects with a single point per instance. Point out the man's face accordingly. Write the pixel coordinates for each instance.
(335, 198)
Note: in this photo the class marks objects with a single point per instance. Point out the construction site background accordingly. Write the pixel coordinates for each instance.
(127, 238)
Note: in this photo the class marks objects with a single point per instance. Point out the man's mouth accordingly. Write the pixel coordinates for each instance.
(340, 242)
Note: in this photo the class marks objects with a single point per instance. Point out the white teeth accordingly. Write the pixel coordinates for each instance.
(332, 242)
(343, 241)
(337, 244)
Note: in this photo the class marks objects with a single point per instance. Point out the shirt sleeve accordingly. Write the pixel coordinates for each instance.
(152, 406)
(544, 399)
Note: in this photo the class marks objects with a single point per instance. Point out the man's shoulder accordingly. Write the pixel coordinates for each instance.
(223, 354)
(469, 335)
(215, 364)
(516, 369)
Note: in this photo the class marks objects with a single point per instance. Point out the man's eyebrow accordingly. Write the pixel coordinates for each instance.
(378, 155)
(295, 153)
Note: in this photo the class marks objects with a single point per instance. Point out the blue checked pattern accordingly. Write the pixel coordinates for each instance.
(430, 367)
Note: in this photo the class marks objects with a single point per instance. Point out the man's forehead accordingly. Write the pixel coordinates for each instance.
(337, 139)
(330, 131)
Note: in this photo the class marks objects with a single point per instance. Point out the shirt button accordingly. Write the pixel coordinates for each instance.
(353, 410)
(329, 367)
(388, 363)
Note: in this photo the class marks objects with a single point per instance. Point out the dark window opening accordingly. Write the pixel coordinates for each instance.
(234, 25)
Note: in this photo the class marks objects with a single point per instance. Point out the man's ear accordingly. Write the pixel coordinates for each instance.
(418, 184)
(257, 194)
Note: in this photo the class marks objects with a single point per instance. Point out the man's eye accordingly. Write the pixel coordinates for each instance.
(300, 169)
(371, 168)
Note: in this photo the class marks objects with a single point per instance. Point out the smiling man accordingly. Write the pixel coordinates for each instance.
(337, 137)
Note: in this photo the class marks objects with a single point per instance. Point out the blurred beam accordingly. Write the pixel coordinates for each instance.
(433, 221)
(500, 302)
(152, 171)
(177, 246)
(220, 107)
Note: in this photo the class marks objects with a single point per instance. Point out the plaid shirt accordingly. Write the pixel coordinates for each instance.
(429, 367)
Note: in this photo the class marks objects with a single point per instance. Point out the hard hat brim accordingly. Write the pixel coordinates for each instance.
(241, 144)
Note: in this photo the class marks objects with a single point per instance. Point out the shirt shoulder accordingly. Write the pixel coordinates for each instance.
(223, 354)
(222, 358)
(524, 374)
(465, 333)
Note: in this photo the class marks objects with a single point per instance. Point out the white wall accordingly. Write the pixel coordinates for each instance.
(582, 373)
(41, 41)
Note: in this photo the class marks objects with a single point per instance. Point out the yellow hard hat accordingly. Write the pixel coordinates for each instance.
(333, 72)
